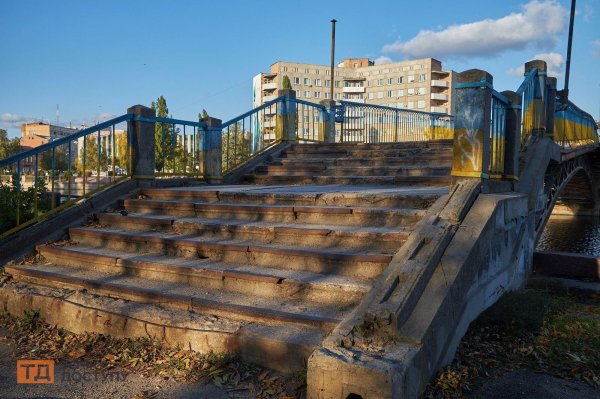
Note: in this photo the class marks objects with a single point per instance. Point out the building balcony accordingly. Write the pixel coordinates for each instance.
(439, 110)
(354, 89)
(270, 123)
(354, 100)
(439, 83)
(439, 96)
(269, 86)
(354, 78)
(269, 98)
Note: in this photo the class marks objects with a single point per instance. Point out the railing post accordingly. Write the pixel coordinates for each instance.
(213, 151)
(537, 109)
(327, 121)
(513, 135)
(142, 144)
(550, 106)
(287, 116)
(471, 147)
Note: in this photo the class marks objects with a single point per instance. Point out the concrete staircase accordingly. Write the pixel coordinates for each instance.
(264, 270)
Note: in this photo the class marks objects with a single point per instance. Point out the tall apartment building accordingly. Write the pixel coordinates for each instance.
(419, 85)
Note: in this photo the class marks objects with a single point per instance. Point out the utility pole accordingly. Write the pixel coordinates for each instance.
(569, 46)
(333, 21)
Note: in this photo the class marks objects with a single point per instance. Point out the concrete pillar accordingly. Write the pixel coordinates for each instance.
(143, 149)
(327, 122)
(513, 135)
(550, 106)
(471, 146)
(537, 109)
(287, 115)
(212, 151)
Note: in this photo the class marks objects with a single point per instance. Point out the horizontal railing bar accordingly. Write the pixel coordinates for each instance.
(170, 121)
(354, 104)
(296, 100)
(529, 76)
(501, 97)
(252, 111)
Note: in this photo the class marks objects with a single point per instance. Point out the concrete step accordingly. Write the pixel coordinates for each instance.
(413, 160)
(320, 179)
(375, 146)
(330, 215)
(349, 262)
(317, 196)
(322, 170)
(315, 236)
(250, 280)
(285, 349)
(361, 153)
(201, 300)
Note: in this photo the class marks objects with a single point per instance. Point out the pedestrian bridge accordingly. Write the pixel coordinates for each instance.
(356, 240)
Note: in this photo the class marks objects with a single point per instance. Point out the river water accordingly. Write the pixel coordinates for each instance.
(571, 234)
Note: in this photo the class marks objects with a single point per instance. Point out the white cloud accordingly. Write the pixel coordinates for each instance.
(538, 25)
(554, 62)
(383, 60)
(13, 120)
(596, 50)
(588, 12)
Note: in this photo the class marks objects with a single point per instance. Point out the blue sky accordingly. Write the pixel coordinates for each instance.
(97, 58)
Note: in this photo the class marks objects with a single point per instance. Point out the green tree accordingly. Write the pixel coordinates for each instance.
(121, 157)
(286, 84)
(61, 161)
(236, 146)
(8, 147)
(30, 202)
(203, 114)
(165, 137)
(92, 162)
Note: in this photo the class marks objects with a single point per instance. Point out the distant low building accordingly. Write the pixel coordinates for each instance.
(37, 133)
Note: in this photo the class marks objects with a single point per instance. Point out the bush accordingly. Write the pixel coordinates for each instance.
(31, 203)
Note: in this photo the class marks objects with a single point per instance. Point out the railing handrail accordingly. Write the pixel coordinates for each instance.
(171, 121)
(63, 140)
(309, 103)
(528, 76)
(252, 111)
(438, 114)
(500, 97)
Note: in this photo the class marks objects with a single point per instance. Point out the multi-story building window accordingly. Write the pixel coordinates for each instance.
(307, 94)
(379, 94)
(390, 93)
(327, 83)
(421, 104)
(401, 93)
(400, 79)
(379, 82)
(390, 81)
(296, 81)
(421, 91)
(411, 91)
(411, 105)
(317, 94)
(422, 77)
(317, 82)
(306, 70)
(306, 81)
(327, 94)
(337, 83)
(411, 78)
(284, 69)
(371, 95)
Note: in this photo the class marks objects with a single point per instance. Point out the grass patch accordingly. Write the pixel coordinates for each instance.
(36, 339)
(547, 332)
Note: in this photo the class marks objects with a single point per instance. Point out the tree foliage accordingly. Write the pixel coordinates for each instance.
(92, 161)
(30, 202)
(8, 147)
(286, 84)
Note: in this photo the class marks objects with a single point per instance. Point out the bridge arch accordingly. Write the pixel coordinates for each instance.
(569, 190)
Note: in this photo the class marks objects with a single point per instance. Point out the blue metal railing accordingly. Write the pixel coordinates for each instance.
(499, 107)
(573, 127)
(369, 123)
(531, 104)
(56, 174)
(178, 147)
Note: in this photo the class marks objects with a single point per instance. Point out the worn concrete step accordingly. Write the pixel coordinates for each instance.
(269, 345)
(330, 215)
(349, 262)
(321, 195)
(201, 300)
(362, 153)
(313, 235)
(251, 280)
(413, 160)
(375, 146)
(322, 170)
(320, 179)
